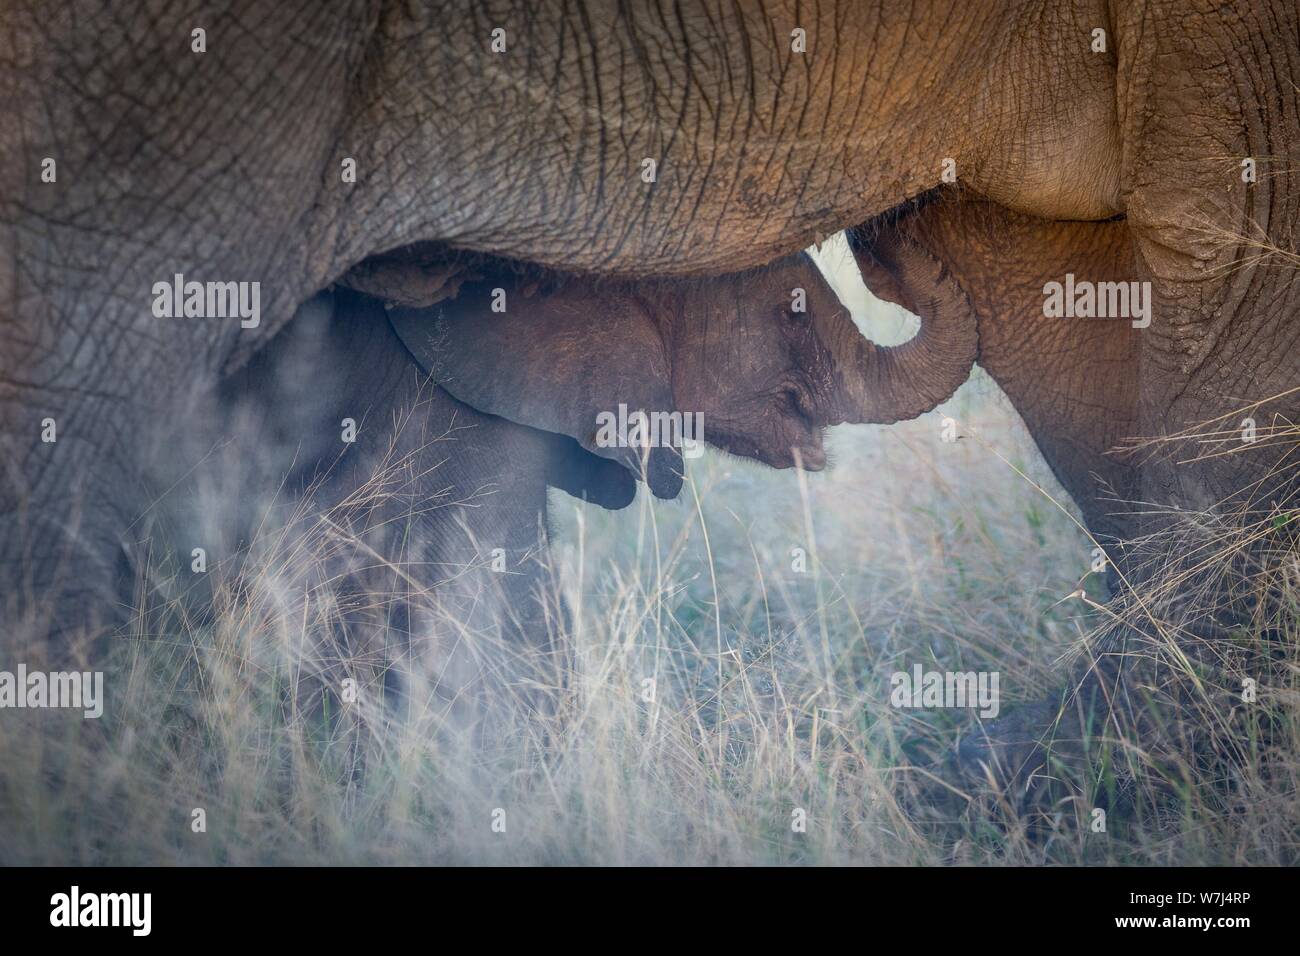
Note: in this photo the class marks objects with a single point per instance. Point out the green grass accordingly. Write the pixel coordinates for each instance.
(771, 695)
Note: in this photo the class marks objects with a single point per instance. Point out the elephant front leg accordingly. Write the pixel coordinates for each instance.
(1084, 390)
(1183, 402)
(1074, 381)
(62, 548)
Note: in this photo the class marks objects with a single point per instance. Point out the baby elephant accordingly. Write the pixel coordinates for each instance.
(739, 358)
(427, 438)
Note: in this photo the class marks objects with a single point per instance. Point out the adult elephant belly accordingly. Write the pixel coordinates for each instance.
(720, 138)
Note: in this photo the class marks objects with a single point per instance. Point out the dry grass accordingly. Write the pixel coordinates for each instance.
(771, 694)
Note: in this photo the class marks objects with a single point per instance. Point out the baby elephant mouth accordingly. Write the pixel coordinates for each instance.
(804, 434)
(811, 456)
(788, 443)
(778, 427)
(805, 452)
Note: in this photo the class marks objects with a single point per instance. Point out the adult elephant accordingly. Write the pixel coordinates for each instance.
(275, 144)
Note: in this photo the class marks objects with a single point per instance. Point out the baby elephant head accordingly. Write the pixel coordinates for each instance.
(771, 357)
(747, 355)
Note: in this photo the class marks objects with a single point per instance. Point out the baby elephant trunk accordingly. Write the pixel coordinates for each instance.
(884, 384)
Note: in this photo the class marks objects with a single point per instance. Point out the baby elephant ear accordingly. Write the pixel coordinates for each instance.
(562, 361)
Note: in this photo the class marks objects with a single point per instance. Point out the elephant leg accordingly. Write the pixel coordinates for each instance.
(1210, 189)
(1211, 207)
(131, 195)
(1074, 382)
(1093, 392)
(63, 550)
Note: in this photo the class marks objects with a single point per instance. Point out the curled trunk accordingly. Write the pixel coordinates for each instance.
(886, 384)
